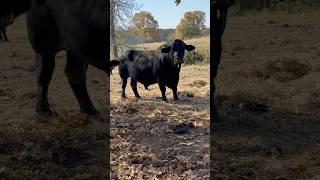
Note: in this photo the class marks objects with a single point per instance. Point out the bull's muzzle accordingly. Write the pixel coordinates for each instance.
(7, 19)
(178, 61)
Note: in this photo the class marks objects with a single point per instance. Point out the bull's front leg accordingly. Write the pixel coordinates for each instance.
(76, 72)
(163, 91)
(175, 94)
(45, 64)
(174, 87)
(214, 109)
(134, 88)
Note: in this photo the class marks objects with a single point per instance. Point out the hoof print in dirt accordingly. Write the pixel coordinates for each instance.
(141, 160)
(281, 178)
(13, 54)
(182, 128)
(10, 148)
(130, 110)
(31, 68)
(69, 156)
(252, 106)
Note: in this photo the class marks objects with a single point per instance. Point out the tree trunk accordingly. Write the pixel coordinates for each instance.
(112, 29)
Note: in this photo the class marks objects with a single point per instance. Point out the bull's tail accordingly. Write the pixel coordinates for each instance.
(10, 9)
(113, 64)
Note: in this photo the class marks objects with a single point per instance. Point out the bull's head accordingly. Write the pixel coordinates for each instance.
(176, 50)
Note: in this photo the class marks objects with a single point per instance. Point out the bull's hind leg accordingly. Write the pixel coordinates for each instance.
(1, 38)
(45, 64)
(76, 72)
(123, 72)
(134, 88)
(5, 37)
(123, 86)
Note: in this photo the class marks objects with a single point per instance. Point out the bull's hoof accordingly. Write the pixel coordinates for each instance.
(176, 99)
(138, 97)
(163, 99)
(124, 97)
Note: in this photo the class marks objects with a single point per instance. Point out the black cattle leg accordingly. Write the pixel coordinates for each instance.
(133, 84)
(76, 72)
(123, 86)
(1, 37)
(45, 64)
(175, 94)
(5, 35)
(219, 24)
(163, 92)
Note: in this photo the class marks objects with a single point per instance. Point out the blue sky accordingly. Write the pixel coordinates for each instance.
(168, 14)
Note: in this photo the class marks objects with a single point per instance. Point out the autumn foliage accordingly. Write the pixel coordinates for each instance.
(191, 24)
(144, 24)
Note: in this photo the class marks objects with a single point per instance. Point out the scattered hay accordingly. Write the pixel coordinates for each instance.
(283, 69)
(198, 83)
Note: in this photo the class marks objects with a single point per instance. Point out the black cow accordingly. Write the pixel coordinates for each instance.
(219, 12)
(160, 66)
(79, 27)
(3, 34)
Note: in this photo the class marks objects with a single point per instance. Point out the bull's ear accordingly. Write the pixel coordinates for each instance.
(165, 49)
(190, 47)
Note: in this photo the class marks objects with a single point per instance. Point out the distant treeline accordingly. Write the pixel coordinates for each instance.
(127, 37)
(243, 6)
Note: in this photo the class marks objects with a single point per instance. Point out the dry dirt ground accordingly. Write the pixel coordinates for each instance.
(68, 145)
(151, 139)
(269, 99)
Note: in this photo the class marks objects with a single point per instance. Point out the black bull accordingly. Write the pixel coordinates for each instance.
(160, 66)
(219, 12)
(78, 27)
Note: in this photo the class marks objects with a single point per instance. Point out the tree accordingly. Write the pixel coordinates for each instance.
(120, 13)
(191, 24)
(178, 2)
(143, 23)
